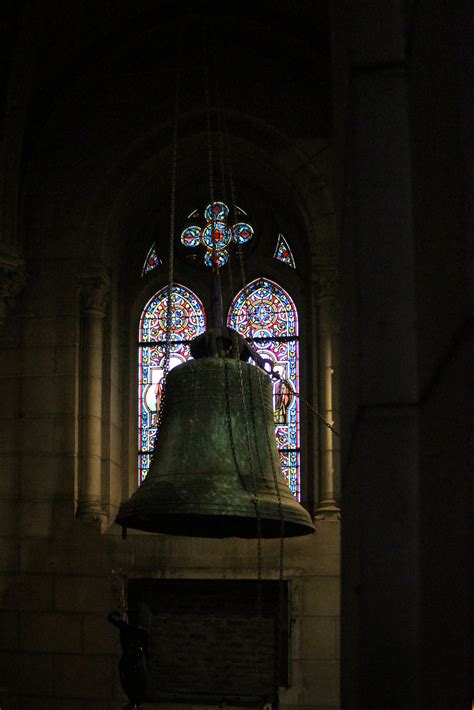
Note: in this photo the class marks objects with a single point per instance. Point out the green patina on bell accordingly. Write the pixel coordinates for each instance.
(216, 468)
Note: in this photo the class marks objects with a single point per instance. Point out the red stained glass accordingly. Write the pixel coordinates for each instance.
(152, 260)
(283, 252)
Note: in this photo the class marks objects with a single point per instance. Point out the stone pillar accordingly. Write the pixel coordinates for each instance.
(95, 291)
(12, 280)
(327, 309)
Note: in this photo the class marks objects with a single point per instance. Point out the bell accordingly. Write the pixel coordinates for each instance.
(216, 470)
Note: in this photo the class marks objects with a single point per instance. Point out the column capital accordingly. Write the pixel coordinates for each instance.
(95, 293)
(12, 281)
(327, 281)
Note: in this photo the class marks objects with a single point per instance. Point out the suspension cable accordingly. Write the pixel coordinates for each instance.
(243, 396)
(233, 202)
(220, 136)
(276, 376)
(276, 670)
(174, 160)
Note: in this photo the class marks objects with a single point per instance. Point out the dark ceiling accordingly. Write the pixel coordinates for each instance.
(269, 61)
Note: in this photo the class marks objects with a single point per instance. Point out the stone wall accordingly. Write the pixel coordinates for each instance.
(60, 576)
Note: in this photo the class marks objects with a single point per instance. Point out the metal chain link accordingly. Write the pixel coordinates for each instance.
(276, 376)
(317, 414)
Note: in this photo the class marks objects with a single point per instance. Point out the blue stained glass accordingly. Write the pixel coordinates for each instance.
(266, 315)
(152, 260)
(188, 321)
(216, 235)
(218, 258)
(283, 252)
(216, 211)
(242, 232)
(191, 237)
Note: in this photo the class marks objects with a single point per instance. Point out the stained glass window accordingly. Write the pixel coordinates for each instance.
(216, 235)
(283, 252)
(188, 321)
(265, 314)
(152, 260)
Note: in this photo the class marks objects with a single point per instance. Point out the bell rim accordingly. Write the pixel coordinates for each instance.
(215, 526)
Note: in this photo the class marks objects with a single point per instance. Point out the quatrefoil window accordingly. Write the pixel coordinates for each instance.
(216, 235)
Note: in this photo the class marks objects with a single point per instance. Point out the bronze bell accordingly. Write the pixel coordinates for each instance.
(216, 469)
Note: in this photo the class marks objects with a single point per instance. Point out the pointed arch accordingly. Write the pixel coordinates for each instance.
(265, 314)
(188, 321)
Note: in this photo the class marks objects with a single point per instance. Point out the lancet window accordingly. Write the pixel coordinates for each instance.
(266, 316)
(188, 321)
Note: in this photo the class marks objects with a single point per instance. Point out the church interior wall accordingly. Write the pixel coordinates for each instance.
(85, 180)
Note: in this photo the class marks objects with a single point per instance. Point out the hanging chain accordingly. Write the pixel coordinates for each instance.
(208, 117)
(317, 414)
(254, 494)
(169, 303)
(220, 135)
(281, 551)
(210, 156)
(231, 433)
(275, 375)
(232, 196)
(246, 420)
(256, 503)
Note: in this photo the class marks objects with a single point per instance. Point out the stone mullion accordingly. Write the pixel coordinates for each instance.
(95, 293)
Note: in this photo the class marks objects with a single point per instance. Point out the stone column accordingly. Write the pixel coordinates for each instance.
(327, 309)
(95, 291)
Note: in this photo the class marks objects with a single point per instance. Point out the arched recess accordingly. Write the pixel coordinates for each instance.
(109, 197)
(112, 234)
